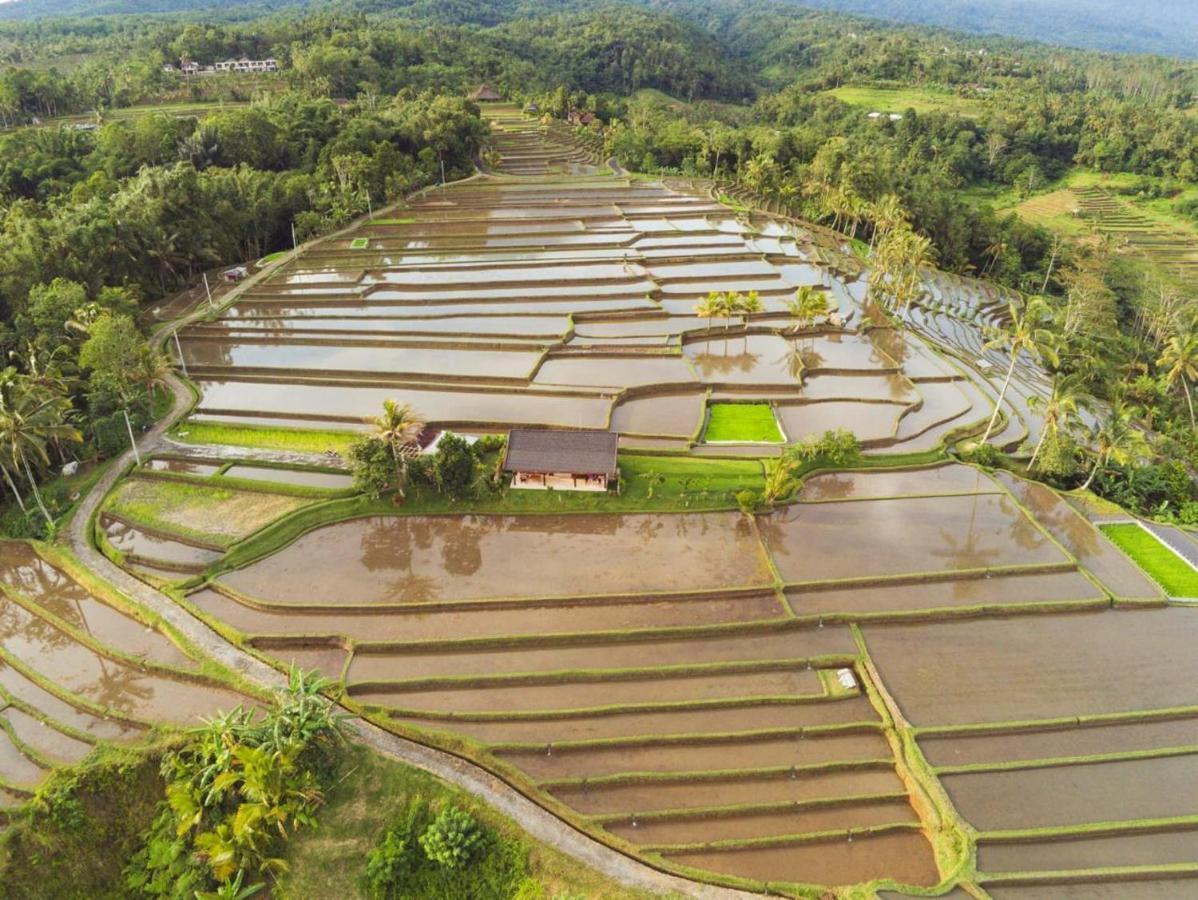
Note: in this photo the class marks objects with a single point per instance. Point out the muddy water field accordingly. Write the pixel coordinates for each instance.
(903, 671)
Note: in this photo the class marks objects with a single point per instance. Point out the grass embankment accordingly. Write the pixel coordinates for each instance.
(202, 511)
(1170, 571)
(899, 100)
(328, 861)
(753, 422)
(296, 439)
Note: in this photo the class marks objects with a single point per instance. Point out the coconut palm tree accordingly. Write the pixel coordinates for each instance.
(898, 265)
(399, 427)
(1179, 359)
(808, 305)
(31, 416)
(708, 308)
(888, 214)
(1061, 408)
(746, 305)
(1025, 333)
(1117, 439)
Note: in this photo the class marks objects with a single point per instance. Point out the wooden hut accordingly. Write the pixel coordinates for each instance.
(539, 459)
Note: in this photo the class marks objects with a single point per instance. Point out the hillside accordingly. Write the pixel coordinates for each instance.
(1166, 27)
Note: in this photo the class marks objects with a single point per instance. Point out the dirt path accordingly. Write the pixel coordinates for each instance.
(541, 824)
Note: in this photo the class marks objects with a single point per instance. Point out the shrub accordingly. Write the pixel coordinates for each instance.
(489, 443)
(452, 839)
(837, 448)
(749, 502)
(422, 857)
(372, 466)
(453, 466)
(234, 791)
(986, 455)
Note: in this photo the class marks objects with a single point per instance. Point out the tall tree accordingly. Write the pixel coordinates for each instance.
(1025, 333)
(399, 427)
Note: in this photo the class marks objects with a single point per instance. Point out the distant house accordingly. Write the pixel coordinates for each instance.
(187, 67)
(234, 274)
(485, 93)
(579, 117)
(539, 459)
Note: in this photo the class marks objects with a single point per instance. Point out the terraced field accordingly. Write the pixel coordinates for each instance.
(567, 301)
(916, 677)
(80, 668)
(1174, 250)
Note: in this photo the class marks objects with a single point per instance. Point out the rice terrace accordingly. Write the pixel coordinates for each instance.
(901, 674)
(572, 450)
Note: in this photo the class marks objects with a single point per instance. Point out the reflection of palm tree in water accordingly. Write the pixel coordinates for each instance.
(119, 687)
(723, 364)
(800, 359)
(388, 546)
(964, 552)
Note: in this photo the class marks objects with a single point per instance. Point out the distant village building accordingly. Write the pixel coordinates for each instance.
(540, 459)
(258, 66)
(485, 93)
(234, 274)
(580, 117)
(248, 65)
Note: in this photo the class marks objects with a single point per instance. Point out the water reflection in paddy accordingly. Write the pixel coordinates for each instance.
(869, 422)
(343, 402)
(816, 541)
(328, 357)
(53, 590)
(381, 560)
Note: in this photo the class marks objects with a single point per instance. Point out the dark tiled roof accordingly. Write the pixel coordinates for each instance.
(546, 450)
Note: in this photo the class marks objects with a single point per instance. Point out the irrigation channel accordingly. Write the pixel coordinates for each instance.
(923, 679)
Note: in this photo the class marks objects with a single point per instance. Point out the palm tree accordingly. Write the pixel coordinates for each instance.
(708, 308)
(399, 427)
(30, 417)
(1117, 439)
(1061, 408)
(898, 265)
(1024, 334)
(888, 214)
(808, 305)
(747, 305)
(1180, 360)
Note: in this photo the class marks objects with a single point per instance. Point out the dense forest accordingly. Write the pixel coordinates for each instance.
(368, 104)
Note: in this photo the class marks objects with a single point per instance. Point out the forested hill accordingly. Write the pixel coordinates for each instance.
(1167, 27)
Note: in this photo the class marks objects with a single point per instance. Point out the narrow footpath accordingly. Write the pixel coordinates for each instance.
(542, 825)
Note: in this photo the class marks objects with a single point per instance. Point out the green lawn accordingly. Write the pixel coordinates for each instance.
(297, 439)
(408, 220)
(742, 422)
(1168, 569)
(899, 100)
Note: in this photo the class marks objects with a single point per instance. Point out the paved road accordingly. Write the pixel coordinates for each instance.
(538, 822)
(1176, 539)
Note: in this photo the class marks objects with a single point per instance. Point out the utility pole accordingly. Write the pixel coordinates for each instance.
(179, 347)
(294, 243)
(208, 291)
(132, 441)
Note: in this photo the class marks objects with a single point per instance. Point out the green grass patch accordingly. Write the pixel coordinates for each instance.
(329, 860)
(359, 243)
(198, 510)
(742, 422)
(899, 100)
(402, 220)
(1170, 571)
(301, 440)
(272, 257)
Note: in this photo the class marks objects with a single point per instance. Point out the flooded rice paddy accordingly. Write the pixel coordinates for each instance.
(77, 667)
(492, 268)
(717, 690)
